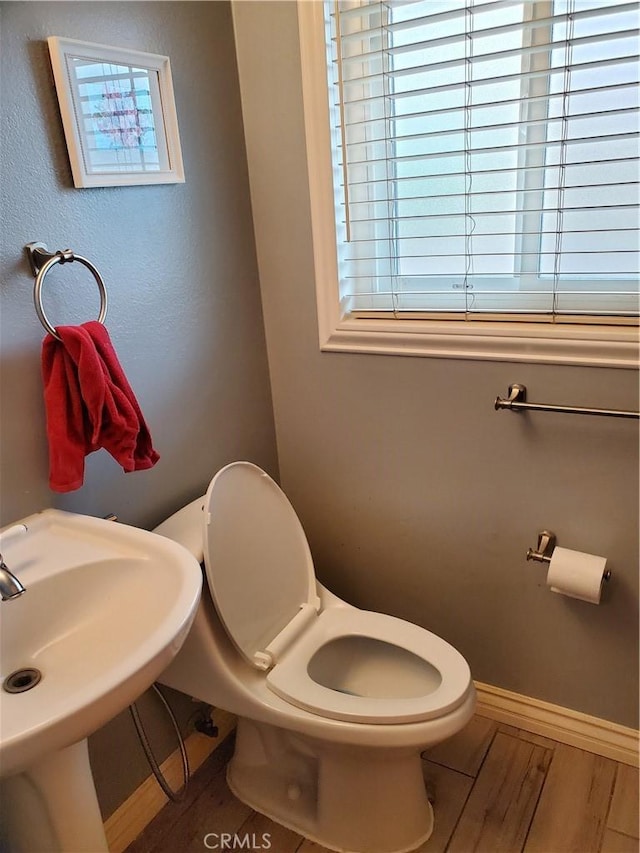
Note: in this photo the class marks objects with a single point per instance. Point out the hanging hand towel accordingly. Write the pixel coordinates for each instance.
(89, 404)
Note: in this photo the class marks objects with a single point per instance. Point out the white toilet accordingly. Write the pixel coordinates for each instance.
(335, 704)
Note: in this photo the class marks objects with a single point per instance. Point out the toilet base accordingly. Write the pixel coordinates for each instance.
(349, 799)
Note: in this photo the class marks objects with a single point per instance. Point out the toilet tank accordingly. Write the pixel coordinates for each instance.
(186, 528)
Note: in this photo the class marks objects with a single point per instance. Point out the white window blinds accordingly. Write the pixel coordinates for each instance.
(486, 157)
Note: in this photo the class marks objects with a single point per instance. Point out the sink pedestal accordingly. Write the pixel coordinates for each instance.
(52, 807)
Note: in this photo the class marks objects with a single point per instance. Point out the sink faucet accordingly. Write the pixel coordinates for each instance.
(10, 586)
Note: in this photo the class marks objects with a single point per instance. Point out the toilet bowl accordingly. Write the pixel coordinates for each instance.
(334, 704)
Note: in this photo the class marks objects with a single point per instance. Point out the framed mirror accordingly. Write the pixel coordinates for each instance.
(118, 114)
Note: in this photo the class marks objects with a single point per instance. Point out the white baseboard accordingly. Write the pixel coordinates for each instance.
(542, 718)
(561, 724)
(131, 818)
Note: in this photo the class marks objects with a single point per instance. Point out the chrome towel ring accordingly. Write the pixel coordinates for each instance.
(42, 260)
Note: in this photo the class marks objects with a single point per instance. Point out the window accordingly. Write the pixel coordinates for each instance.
(485, 176)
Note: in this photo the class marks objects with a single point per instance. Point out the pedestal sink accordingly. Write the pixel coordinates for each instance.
(106, 608)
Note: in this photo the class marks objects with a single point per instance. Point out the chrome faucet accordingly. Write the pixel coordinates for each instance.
(10, 586)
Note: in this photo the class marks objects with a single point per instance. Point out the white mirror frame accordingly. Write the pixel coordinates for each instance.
(170, 169)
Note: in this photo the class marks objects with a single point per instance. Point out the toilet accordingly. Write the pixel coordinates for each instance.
(334, 704)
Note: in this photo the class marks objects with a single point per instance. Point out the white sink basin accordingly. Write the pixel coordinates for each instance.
(106, 609)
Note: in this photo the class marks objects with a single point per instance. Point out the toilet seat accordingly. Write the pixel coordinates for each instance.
(437, 668)
(262, 580)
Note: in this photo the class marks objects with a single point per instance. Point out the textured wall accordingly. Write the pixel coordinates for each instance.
(179, 263)
(418, 498)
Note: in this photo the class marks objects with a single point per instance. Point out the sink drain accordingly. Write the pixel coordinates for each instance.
(21, 680)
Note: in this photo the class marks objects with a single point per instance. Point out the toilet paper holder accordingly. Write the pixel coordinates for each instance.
(544, 551)
(546, 544)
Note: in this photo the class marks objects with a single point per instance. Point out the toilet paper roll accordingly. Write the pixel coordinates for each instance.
(576, 574)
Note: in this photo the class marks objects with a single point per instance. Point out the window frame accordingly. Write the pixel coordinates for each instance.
(517, 340)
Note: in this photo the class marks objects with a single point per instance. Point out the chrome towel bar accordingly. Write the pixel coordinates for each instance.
(517, 402)
(41, 260)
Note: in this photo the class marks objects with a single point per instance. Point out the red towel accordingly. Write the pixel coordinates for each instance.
(89, 404)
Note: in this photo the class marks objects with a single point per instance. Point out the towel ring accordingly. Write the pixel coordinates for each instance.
(37, 251)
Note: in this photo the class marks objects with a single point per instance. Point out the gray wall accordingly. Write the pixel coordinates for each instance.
(179, 264)
(418, 498)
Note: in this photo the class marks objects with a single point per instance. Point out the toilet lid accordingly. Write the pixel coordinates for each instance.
(256, 556)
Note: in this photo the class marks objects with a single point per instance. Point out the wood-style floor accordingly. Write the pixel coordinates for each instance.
(495, 789)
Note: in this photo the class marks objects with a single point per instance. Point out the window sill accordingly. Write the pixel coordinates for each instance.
(588, 346)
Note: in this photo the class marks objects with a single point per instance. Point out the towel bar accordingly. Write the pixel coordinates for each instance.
(517, 402)
(41, 261)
